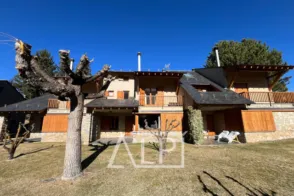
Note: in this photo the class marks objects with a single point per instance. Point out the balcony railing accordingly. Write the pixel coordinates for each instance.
(56, 104)
(160, 101)
(269, 97)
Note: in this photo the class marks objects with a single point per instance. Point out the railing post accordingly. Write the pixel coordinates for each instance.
(269, 97)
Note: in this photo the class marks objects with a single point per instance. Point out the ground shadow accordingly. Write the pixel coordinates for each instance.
(219, 183)
(204, 187)
(255, 191)
(34, 151)
(251, 191)
(153, 146)
(97, 150)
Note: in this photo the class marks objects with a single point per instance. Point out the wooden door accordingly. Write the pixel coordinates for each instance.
(209, 125)
(129, 122)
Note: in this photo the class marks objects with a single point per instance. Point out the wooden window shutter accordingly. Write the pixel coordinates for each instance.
(106, 94)
(160, 96)
(142, 96)
(120, 95)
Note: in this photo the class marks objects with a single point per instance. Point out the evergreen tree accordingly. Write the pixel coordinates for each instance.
(47, 64)
(250, 52)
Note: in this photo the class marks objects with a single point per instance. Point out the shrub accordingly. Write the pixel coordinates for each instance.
(195, 125)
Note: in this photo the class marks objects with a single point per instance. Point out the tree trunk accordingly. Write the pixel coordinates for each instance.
(72, 159)
(11, 153)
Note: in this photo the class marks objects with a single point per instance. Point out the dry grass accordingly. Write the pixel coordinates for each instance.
(252, 169)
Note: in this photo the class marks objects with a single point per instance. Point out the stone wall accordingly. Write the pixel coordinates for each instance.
(271, 106)
(49, 137)
(146, 136)
(284, 129)
(86, 126)
(1, 122)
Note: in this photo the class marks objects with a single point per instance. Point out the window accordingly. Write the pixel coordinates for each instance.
(153, 121)
(110, 94)
(109, 123)
(206, 88)
(114, 123)
(126, 94)
(150, 95)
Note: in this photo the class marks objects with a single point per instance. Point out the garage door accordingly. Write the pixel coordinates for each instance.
(55, 123)
(257, 121)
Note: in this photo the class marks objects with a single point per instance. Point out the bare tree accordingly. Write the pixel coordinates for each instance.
(66, 88)
(14, 143)
(162, 136)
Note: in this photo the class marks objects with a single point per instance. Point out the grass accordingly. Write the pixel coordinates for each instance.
(245, 169)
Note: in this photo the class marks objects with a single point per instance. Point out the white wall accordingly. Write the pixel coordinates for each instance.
(256, 81)
(122, 85)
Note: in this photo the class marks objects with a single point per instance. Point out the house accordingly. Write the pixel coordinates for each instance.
(266, 115)
(234, 98)
(9, 95)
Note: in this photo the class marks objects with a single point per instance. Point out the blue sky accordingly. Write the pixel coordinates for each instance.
(178, 32)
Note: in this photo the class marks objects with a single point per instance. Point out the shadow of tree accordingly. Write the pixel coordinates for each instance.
(34, 151)
(204, 187)
(153, 146)
(219, 183)
(97, 150)
(252, 191)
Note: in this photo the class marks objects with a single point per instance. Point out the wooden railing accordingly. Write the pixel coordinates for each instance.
(270, 97)
(56, 104)
(155, 100)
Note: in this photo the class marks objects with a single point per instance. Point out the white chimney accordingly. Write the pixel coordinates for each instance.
(217, 56)
(139, 61)
(71, 63)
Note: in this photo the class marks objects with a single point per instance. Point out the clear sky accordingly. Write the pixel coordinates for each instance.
(181, 33)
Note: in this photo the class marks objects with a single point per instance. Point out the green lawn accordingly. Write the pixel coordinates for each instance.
(245, 169)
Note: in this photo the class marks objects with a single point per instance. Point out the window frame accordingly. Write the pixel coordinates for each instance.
(128, 94)
(111, 93)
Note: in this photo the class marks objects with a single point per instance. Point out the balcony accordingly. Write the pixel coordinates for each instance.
(56, 104)
(269, 97)
(160, 101)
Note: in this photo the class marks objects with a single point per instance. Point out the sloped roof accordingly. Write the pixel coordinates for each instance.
(8, 93)
(215, 74)
(31, 105)
(224, 97)
(112, 103)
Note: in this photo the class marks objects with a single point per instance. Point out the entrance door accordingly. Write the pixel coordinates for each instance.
(209, 125)
(129, 122)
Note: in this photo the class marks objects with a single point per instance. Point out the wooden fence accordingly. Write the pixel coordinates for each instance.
(270, 97)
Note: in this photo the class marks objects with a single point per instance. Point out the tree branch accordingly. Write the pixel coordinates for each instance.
(65, 64)
(83, 64)
(102, 73)
(30, 69)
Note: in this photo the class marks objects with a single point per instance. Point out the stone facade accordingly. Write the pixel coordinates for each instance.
(284, 129)
(146, 136)
(271, 106)
(86, 127)
(50, 137)
(1, 122)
